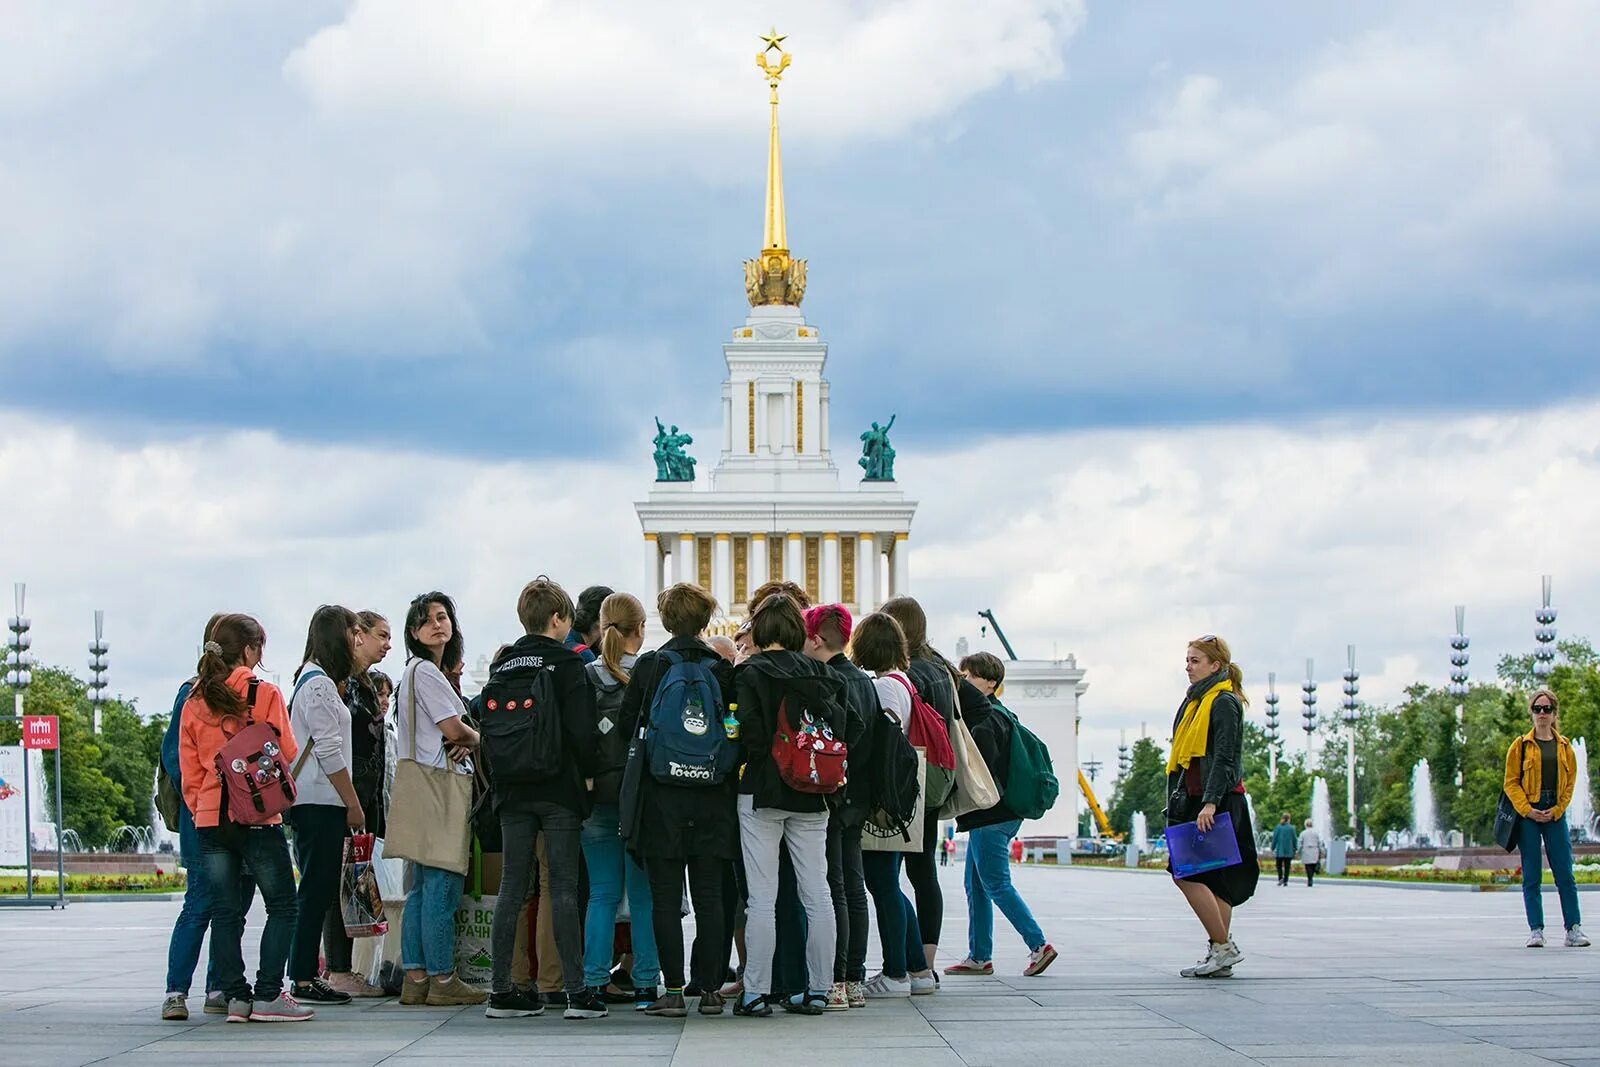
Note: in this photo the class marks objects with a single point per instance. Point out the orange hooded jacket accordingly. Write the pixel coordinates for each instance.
(200, 738)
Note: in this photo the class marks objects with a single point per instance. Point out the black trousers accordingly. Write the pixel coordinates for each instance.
(706, 874)
(1283, 868)
(922, 871)
(319, 832)
(849, 888)
(1311, 872)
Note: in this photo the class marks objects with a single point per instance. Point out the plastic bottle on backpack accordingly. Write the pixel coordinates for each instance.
(730, 722)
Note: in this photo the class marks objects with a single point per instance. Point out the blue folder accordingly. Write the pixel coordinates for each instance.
(1193, 852)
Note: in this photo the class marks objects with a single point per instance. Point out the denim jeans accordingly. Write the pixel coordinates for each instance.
(988, 885)
(224, 852)
(428, 924)
(849, 888)
(561, 829)
(319, 833)
(611, 873)
(189, 931)
(898, 933)
(1558, 846)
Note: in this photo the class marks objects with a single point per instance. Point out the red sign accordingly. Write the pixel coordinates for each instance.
(39, 731)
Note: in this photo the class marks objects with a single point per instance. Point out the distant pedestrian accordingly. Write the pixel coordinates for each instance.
(1283, 847)
(947, 850)
(1541, 770)
(1205, 780)
(1310, 847)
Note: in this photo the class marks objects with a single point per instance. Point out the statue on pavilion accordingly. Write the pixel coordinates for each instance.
(877, 455)
(673, 464)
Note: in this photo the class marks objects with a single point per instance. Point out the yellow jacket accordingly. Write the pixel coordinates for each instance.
(1523, 770)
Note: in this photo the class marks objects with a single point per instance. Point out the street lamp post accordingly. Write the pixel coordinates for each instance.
(1458, 684)
(1544, 657)
(19, 677)
(97, 669)
(1352, 714)
(1272, 726)
(1308, 713)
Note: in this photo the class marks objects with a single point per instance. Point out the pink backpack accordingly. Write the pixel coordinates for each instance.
(257, 784)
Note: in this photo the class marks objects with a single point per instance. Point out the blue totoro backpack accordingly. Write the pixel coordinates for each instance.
(685, 741)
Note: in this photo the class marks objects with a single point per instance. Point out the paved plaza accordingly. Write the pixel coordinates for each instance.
(1336, 974)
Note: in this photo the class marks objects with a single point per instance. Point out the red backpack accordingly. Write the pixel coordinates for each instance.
(257, 783)
(809, 759)
(926, 730)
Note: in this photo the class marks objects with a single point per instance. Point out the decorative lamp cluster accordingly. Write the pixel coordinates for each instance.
(1458, 655)
(1352, 686)
(97, 668)
(18, 661)
(1544, 657)
(1309, 700)
(1124, 758)
(1272, 707)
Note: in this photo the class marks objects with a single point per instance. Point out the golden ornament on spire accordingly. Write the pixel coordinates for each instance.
(774, 278)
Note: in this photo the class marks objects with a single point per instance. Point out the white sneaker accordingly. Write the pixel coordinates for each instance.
(1575, 938)
(1223, 957)
(881, 986)
(1536, 937)
(1194, 972)
(923, 985)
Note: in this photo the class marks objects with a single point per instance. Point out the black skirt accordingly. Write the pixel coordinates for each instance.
(1235, 884)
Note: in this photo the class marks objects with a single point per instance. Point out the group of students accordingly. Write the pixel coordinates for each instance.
(745, 768)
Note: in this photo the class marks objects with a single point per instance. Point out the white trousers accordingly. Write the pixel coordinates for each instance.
(762, 831)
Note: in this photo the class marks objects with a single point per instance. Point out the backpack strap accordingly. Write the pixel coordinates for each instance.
(311, 743)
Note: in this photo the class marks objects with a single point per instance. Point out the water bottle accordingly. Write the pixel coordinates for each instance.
(730, 722)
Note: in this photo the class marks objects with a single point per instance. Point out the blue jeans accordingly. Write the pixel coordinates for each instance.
(1558, 846)
(428, 925)
(898, 931)
(989, 884)
(611, 872)
(224, 852)
(189, 931)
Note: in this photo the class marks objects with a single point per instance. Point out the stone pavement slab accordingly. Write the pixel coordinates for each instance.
(1334, 974)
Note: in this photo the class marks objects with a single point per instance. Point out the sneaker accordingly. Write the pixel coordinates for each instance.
(668, 1005)
(838, 998)
(586, 1005)
(613, 995)
(1039, 959)
(923, 985)
(858, 998)
(283, 1010)
(970, 966)
(175, 1007)
(1194, 972)
(1222, 959)
(216, 1003)
(449, 991)
(414, 990)
(732, 989)
(1575, 938)
(643, 998)
(711, 1003)
(238, 1011)
(1536, 937)
(517, 1004)
(354, 985)
(556, 998)
(881, 985)
(317, 991)
(752, 1007)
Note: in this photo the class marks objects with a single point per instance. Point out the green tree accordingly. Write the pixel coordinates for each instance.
(91, 801)
(1144, 788)
(130, 747)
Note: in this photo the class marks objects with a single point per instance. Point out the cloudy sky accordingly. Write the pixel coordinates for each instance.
(1274, 322)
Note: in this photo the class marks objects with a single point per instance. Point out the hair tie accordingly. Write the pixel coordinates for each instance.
(211, 648)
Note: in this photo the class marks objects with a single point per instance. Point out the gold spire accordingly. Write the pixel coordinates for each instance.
(774, 278)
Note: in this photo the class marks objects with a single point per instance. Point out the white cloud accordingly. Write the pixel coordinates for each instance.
(1431, 154)
(1114, 546)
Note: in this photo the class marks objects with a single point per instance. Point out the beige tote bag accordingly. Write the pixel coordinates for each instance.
(975, 789)
(429, 807)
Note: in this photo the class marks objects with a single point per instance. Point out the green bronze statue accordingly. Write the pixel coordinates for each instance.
(673, 464)
(877, 455)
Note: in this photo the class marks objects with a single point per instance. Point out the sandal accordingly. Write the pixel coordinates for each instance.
(752, 1009)
(806, 1004)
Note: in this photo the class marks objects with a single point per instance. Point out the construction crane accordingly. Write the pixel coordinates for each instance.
(1083, 783)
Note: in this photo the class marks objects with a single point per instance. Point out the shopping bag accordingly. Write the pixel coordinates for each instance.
(360, 898)
(475, 927)
(1192, 852)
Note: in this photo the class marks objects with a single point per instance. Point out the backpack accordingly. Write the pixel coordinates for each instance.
(685, 741)
(521, 728)
(1030, 787)
(892, 782)
(809, 758)
(927, 732)
(168, 801)
(612, 750)
(257, 784)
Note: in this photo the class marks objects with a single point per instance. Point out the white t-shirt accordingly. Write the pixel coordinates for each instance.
(436, 702)
(895, 697)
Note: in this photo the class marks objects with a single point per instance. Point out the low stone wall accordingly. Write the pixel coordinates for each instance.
(107, 862)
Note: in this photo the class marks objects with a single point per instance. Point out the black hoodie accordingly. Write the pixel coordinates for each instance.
(575, 701)
(761, 682)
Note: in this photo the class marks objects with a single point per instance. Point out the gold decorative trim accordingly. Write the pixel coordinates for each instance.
(752, 425)
(847, 569)
(775, 559)
(901, 535)
(723, 537)
(814, 568)
(649, 536)
(703, 562)
(830, 537)
(741, 569)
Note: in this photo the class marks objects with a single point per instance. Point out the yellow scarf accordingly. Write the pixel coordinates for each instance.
(1189, 739)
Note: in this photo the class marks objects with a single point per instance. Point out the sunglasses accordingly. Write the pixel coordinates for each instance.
(1544, 709)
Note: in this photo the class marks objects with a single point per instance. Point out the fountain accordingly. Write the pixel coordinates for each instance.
(1321, 812)
(1141, 834)
(70, 841)
(132, 839)
(1580, 813)
(1425, 829)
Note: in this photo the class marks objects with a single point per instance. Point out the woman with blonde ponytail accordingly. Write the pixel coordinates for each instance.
(1205, 779)
(611, 870)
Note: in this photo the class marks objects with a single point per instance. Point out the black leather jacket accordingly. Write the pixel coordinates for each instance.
(1221, 768)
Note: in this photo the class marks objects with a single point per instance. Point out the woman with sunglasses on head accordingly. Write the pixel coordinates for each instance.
(1204, 781)
(1541, 771)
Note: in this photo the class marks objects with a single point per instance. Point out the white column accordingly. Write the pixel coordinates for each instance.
(683, 560)
(756, 565)
(652, 571)
(866, 573)
(794, 559)
(829, 577)
(722, 569)
(880, 544)
(900, 561)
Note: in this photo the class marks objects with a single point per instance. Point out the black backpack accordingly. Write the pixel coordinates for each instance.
(892, 786)
(521, 723)
(612, 749)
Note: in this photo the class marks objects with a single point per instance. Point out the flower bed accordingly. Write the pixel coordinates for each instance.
(45, 884)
